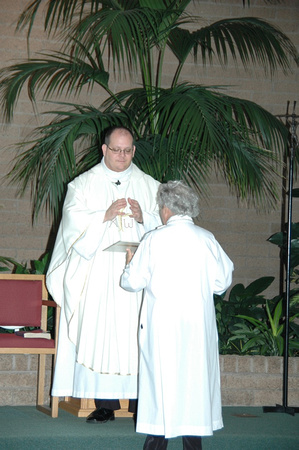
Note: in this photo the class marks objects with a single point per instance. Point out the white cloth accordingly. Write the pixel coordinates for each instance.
(179, 266)
(97, 348)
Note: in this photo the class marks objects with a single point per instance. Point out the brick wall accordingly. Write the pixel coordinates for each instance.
(18, 379)
(242, 230)
(257, 380)
(245, 380)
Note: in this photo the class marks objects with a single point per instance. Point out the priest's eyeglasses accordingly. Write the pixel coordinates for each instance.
(116, 151)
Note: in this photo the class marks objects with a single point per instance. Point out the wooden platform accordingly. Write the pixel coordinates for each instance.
(82, 407)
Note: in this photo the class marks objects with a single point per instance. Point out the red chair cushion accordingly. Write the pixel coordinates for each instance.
(10, 340)
(20, 302)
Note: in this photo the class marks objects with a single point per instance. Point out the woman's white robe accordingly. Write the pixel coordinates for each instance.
(179, 266)
(97, 350)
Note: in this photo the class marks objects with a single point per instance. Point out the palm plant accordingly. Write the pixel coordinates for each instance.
(182, 131)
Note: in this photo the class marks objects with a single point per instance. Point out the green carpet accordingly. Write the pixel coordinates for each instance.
(245, 428)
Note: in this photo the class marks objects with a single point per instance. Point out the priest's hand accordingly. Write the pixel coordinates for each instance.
(129, 255)
(136, 210)
(115, 209)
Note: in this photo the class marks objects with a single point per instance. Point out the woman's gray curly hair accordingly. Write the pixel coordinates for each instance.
(179, 198)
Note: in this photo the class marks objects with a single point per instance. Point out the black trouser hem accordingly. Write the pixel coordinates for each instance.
(115, 404)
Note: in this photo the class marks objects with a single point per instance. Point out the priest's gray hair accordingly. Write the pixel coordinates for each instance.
(179, 198)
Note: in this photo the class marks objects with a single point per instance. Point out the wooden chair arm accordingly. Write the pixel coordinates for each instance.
(49, 303)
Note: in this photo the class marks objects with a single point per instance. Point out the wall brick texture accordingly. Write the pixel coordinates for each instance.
(257, 380)
(18, 379)
(245, 380)
(240, 228)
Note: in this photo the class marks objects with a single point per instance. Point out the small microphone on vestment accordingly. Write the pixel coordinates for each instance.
(117, 183)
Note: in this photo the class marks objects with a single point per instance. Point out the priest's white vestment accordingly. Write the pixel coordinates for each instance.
(97, 348)
(180, 266)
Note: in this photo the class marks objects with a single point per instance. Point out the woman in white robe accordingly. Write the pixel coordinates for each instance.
(180, 266)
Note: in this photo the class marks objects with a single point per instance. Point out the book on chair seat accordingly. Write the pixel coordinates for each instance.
(40, 334)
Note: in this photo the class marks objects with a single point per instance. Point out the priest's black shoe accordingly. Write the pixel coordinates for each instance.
(101, 415)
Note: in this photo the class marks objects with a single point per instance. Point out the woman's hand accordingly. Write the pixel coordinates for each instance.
(129, 256)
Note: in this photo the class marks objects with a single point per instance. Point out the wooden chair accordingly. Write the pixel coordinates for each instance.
(24, 302)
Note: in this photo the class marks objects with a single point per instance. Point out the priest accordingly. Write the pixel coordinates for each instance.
(97, 350)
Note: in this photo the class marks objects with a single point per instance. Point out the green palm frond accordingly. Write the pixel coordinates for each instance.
(62, 13)
(128, 34)
(239, 136)
(157, 157)
(62, 75)
(201, 126)
(58, 13)
(249, 39)
(189, 106)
